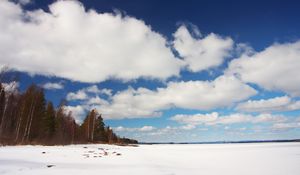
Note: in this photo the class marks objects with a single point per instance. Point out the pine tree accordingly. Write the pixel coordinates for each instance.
(27, 114)
(84, 129)
(49, 121)
(36, 125)
(21, 108)
(100, 134)
(2, 102)
(25, 118)
(88, 125)
(59, 124)
(112, 137)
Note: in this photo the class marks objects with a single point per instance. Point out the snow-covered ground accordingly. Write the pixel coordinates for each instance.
(206, 159)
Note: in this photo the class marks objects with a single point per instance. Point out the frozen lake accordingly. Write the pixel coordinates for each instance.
(204, 159)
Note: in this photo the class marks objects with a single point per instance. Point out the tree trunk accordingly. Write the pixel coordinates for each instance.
(3, 116)
(88, 128)
(27, 123)
(18, 129)
(31, 117)
(19, 124)
(93, 128)
(73, 132)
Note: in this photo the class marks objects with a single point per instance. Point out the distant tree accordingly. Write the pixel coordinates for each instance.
(112, 137)
(84, 128)
(9, 117)
(69, 126)
(36, 125)
(20, 118)
(100, 134)
(28, 111)
(25, 118)
(2, 102)
(59, 124)
(88, 125)
(49, 121)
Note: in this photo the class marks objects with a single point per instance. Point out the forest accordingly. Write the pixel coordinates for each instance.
(28, 118)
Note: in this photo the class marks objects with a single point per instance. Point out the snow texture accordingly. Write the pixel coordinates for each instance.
(205, 159)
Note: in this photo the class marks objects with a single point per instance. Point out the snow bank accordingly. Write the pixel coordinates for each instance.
(225, 159)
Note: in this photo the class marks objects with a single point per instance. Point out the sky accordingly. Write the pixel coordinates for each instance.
(163, 71)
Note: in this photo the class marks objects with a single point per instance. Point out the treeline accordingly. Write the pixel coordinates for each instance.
(28, 118)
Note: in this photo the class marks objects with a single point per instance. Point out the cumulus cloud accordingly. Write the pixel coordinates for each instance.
(201, 95)
(188, 127)
(53, 86)
(24, 2)
(285, 126)
(96, 101)
(10, 87)
(283, 103)
(153, 131)
(83, 94)
(81, 44)
(79, 95)
(141, 129)
(214, 118)
(175, 130)
(147, 128)
(143, 102)
(275, 68)
(95, 90)
(204, 52)
(77, 112)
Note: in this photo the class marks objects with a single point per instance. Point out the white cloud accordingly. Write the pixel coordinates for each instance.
(83, 94)
(78, 112)
(285, 126)
(173, 131)
(283, 103)
(24, 2)
(53, 86)
(121, 129)
(188, 127)
(275, 68)
(147, 128)
(10, 87)
(243, 48)
(147, 131)
(79, 95)
(83, 45)
(95, 90)
(107, 92)
(201, 53)
(143, 102)
(96, 101)
(201, 95)
(196, 119)
(141, 129)
(164, 131)
(214, 118)
(226, 128)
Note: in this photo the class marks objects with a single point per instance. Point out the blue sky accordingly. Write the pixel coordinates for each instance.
(161, 71)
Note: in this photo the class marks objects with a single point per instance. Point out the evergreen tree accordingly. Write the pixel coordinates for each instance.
(59, 124)
(111, 136)
(36, 126)
(2, 102)
(25, 118)
(89, 125)
(49, 121)
(84, 129)
(100, 134)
